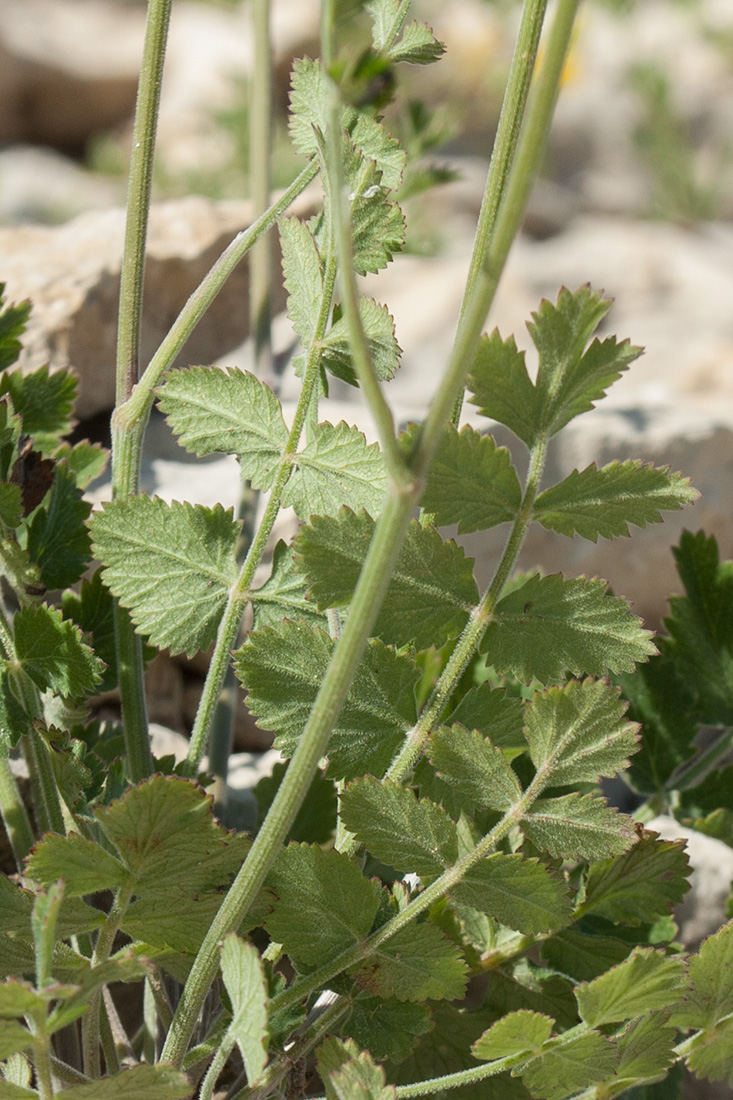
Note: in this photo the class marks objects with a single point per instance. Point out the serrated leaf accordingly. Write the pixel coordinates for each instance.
(518, 1033)
(11, 511)
(640, 885)
(468, 761)
(86, 460)
(324, 904)
(570, 1066)
(502, 388)
(386, 21)
(232, 412)
(571, 378)
(379, 332)
(418, 46)
(302, 276)
(52, 653)
(495, 714)
(10, 1091)
(283, 595)
(370, 138)
(432, 590)
(550, 625)
(360, 1079)
(14, 719)
(520, 893)
(309, 98)
(13, 1038)
(336, 467)
(646, 1047)
(645, 982)
(315, 821)
(471, 482)
(283, 668)
(408, 835)
(137, 1083)
(417, 964)
(43, 400)
(710, 1053)
(578, 826)
(58, 542)
(13, 322)
(84, 865)
(243, 975)
(711, 975)
(18, 997)
(577, 733)
(171, 565)
(92, 609)
(19, 571)
(582, 956)
(604, 502)
(389, 1029)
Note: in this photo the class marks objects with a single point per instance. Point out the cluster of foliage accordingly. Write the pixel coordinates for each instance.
(438, 896)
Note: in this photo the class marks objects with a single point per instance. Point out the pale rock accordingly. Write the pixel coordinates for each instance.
(167, 742)
(41, 185)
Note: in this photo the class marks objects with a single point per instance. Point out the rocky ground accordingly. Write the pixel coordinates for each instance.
(637, 199)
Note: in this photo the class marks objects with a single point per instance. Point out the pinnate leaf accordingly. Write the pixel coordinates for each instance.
(386, 21)
(85, 460)
(92, 609)
(646, 1047)
(502, 388)
(471, 482)
(645, 982)
(85, 867)
(604, 502)
(172, 565)
(309, 98)
(359, 1079)
(520, 893)
(408, 835)
(418, 46)
(417, 964)
(517, 1033)
(43, 400)
(241, 970)
(550, 625)
(379, 332)
(283, 669)
(137, 1083)
(569, 1066)
(302, 276)
(578, 826)
(324, 904)
(58, 542)
(387, 1028)
(640, 885)
(710, 1053)
(52, 653)
(283, 595)
(231, 412)
(13, 1037)
(494, 713)
(370, 138)
(336, 467)
(470, 763)
(711, 974)
(432, 590)
(578, 732)
(13, 322)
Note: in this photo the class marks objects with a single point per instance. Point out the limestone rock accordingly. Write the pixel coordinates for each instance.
(41, 185)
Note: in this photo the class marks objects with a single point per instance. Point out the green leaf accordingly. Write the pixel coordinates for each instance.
(283, 595)
(640, 885)
(604, 502)
(550, 625)
(337, 467)
(520, 893)
(469, 762)
(379, 332)
(309, 98)
(502, 388)
(571, 379)
(432, 590)
(315, 822)
(84, 865)
(370, 138)
(58, 542)
(578, 732)
(569, 1066)
(92, 609)
(52, 653)
(710, 1053)
(582, 956)
(19, 571)
(646, 1047)
(11, 511)
(137, 1083)
(578, 826)
(711, 974)
(471, 482)
(14, 719)
(44, 916)
(419, 963)
(389, 1029)
(283, 670)
(172, 565)
(645, 982)
(243, 975)
(324, 904)
(418, 46)
(302, 276)
(44, 401)
(360, 1079)
(408, 835)
(10, 1091)
(518, 1033)
(232, 412)
(13, 322)
(495, 714)
(86, 460)
(17, 998)
(13, 1037)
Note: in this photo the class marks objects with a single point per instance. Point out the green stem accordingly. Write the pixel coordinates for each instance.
(505, 144)
(42, 1058)
(706, 761)
(14, 814)
(476, 626)
(216, 1066)
(46, 800)
(91, 1021)
(240, 592)
(260, 146)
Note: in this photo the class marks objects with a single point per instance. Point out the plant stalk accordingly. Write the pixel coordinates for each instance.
(15, 816)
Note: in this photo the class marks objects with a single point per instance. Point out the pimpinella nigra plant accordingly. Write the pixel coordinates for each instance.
(437, 896)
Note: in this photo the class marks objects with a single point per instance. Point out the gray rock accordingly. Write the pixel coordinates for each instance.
(40, 185)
